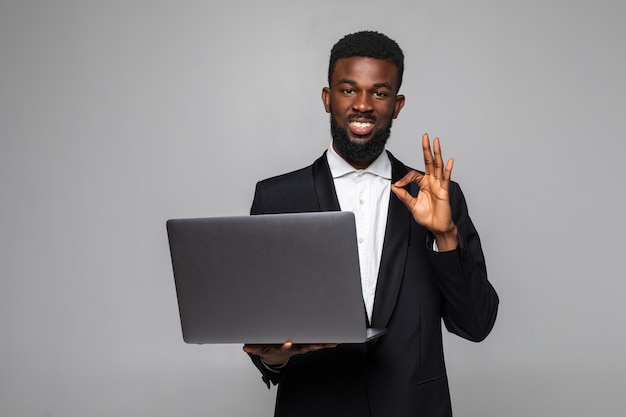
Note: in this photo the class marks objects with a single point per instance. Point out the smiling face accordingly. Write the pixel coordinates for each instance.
(362, 102)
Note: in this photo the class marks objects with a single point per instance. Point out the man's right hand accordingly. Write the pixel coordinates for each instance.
(279, 355)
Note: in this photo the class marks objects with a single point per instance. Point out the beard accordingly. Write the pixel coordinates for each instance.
(358, 152)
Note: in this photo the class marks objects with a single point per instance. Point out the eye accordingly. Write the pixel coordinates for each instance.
(380, 94)
(348, 91)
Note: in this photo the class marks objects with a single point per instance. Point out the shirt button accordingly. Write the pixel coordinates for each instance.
(361, 240)
(361, 201)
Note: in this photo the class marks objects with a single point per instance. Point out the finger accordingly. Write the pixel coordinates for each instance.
(254, 349)
(310, 347)
(438, 160)
(447, 173)
(428, 156)
(411, 176)
(258, 349)
(403, 195)
(323, 346)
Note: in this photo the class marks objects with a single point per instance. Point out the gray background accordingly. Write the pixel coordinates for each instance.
(117, 115)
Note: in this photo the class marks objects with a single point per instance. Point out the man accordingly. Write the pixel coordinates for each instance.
(419, 253)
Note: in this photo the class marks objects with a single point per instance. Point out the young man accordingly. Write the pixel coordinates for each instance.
(419, 253)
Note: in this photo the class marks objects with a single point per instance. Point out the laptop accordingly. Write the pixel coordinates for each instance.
(269, 279)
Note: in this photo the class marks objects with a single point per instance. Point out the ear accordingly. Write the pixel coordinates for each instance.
(326, 98)
(398, 105)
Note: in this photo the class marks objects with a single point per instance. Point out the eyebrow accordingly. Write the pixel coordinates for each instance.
(346, 81)
(386, 85)
(352, 82)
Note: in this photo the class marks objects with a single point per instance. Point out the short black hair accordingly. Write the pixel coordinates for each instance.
(368, 44)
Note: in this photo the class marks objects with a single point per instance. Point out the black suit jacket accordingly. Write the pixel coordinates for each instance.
(403, 372)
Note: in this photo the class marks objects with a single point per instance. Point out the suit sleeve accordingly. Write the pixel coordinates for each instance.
(268, 376)
(470, 303)
(258, 201)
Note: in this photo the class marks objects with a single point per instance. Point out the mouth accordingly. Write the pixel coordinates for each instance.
(361, 127)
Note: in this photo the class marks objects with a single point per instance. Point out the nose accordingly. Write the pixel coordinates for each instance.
(362, 102)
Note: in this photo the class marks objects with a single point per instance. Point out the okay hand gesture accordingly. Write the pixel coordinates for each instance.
(431, 207)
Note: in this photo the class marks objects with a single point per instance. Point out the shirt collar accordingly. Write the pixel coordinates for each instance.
(381, 166)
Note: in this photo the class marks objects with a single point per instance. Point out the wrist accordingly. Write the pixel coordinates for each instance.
(274, 365)
(447, 241)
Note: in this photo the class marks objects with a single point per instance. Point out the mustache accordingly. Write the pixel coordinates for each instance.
(362, 116)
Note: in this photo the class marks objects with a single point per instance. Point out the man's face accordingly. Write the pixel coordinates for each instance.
(362, 102)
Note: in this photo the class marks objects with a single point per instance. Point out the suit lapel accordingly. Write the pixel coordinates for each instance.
(324, 185)
(396, 236)
(394, 253)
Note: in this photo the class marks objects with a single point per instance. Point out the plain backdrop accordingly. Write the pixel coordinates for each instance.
(117, 115)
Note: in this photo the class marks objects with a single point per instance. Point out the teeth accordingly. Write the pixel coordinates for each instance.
(361, 125)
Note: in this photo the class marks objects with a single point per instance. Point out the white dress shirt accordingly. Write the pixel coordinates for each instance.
(365, 192)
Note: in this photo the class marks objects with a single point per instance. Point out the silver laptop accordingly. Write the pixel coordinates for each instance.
(269, 279)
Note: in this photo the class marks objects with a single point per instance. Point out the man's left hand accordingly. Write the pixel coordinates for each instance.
(431, 207)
